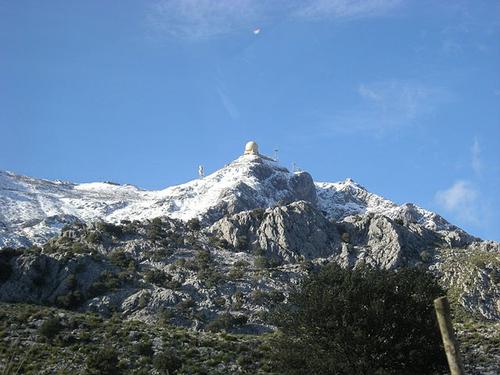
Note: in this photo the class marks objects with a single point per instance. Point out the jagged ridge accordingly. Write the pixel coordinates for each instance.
(34, 210)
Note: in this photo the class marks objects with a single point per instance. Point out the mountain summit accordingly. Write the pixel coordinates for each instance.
(34, 210)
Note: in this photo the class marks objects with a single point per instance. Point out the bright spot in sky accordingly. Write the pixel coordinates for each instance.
(257, 31)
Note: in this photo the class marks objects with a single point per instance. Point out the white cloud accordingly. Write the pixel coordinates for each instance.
(388, 105)
(320, 9)
(476, 162)
(203, 19)
(369, 93)
(460, 199)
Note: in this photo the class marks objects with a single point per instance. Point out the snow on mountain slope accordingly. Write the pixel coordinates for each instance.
(341, 199)
(33, 210)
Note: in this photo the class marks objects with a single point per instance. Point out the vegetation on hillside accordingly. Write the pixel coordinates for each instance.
(362, 321)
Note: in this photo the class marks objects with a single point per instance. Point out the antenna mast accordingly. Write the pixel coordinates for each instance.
(276, 154)
(201, 171)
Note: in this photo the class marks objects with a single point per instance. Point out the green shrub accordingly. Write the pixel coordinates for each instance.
(111, 229)
(70, 300)
(120, 258)
(103, 362)
(425, 256)
(241, 263)
(194, 224)
(242, 243)
(236, 273)
(144, 348)
(219, 301)
(165, 315)
(211, 277)
(144, 299)
(364, 321)
(154, 231)
(259, 297)
(107, 281)
(258, 214)
(185, 304)
(93, 237)
(219, 242)
(261, 262)
(258, 251)
(238, 300)
(6, 254)
(225, 322)
(5, 271)
(50, 328)
(157, 277)
(203, 258)
(80, 248)
(167, 362)
(345, 237)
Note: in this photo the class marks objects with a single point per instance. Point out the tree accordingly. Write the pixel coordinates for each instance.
(362, 321)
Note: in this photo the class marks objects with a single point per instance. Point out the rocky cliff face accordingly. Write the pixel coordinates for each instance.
(243, 264)
(289, 233)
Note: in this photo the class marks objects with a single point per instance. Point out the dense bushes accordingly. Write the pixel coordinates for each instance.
(50, 328)
(167, 362)
(73, 298)
(111, 229)
(194, 224)
(6, 254)
(364, 321)
(5, 270)
(156, 277)
(108, 281)
(103, 362)
(226, 321)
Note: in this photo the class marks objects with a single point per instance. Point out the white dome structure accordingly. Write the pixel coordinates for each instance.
(251, 148)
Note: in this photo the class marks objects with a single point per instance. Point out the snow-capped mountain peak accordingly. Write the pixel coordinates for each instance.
(33, 210)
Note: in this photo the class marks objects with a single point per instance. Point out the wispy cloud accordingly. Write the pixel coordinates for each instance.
(320, 9)
(228, 104)
(385, 106)
(199, 19)
(461, 199)
(205, 19)
(476, 162)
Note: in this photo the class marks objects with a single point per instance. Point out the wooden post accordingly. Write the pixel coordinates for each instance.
(442, 308)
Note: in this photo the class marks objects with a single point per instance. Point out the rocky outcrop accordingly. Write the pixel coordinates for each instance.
(386, 243)
(289, 233)
(472, 277)
(41, 279)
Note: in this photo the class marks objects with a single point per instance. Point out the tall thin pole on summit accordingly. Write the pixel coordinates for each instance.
(275, 154)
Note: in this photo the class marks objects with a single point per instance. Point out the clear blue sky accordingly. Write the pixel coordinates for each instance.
(402, 96)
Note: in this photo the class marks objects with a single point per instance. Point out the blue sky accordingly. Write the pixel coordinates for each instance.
(402, 96)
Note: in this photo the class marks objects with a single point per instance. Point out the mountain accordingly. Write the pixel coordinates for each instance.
(34, 210)
(230, 243)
